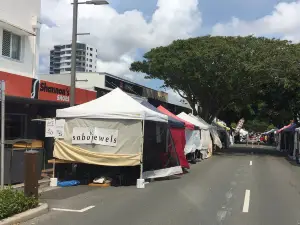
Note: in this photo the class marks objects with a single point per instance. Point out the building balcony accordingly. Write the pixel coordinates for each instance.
(66, 55)
(64, 66)
(65, 60)
(80, 60)
(80, 55)
(80, 69)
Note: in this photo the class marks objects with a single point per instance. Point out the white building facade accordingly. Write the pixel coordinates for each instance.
(19, 36)
(60, 58)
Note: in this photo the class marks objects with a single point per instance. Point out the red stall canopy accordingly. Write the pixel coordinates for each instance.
(168, 113)
(178, 135)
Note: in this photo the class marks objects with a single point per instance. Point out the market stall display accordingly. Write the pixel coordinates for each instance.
(116, 130)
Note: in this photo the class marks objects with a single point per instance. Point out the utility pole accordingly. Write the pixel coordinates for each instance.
(2, 131)
(74, 43)
(74, 49)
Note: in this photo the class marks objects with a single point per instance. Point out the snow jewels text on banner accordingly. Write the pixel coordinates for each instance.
(94, 135)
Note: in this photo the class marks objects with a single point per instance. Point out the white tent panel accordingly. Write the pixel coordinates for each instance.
(166, 172)
(126, 152)
(212, 129)
(243, 132)
(279, 142)
(114, 105)
(192, 138)
(205, 139)
(205, 134)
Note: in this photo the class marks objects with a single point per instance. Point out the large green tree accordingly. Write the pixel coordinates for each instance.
(220, 72)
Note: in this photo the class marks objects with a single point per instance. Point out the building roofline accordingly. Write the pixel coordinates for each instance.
(22, 30)
(108, 74)
(89, 45)
(108, 89)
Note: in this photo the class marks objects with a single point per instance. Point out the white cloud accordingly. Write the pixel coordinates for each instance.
(283, 21)
(117, 36)
(120, 68)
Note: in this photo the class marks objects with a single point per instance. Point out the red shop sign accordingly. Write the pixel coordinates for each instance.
(49, 91)
(16, 85)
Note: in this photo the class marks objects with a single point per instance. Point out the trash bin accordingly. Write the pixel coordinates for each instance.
(14, 165)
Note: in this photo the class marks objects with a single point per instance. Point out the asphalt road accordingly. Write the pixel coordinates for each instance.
(242, 186)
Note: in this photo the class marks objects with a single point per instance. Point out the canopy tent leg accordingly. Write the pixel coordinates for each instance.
(53, 179)
(285, 142)
(142, 155)
(140, 183)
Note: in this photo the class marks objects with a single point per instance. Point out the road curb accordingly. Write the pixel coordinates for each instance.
(27, 215)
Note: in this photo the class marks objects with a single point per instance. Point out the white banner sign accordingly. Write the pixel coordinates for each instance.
(60, 128)
(50, 129)
(55, 128)
(95, 135)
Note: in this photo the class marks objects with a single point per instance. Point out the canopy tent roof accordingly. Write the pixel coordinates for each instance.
(290, 127)
(192, 120)
(172, 121)
(186, 123)
(114, 105)
(218, 126)
(202, 121)
(221, 125)
(270, 131)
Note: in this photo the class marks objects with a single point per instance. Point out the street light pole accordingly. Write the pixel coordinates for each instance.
(74, 49)
(2, 131)
(74, 43)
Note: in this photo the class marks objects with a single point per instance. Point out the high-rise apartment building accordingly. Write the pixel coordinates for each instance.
(60, 58)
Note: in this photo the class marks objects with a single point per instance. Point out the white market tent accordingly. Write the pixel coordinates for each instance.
(212, 129)
(115, 113)
(205, 134)
(296, 144)
(243, 132)
(114, 105)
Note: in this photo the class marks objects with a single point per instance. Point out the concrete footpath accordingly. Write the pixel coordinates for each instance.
(27, 215)
(241, 186)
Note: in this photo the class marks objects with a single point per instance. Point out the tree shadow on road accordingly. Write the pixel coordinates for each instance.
(243, 150)
(66, 192)
(249, 150)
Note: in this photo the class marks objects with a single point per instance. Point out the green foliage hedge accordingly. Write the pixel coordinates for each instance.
(13, 202)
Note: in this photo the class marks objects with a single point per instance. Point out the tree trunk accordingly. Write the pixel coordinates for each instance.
(204, 114)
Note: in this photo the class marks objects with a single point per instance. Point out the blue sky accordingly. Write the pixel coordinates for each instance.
(213, 11)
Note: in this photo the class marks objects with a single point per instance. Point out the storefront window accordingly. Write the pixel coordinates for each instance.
(15, 126)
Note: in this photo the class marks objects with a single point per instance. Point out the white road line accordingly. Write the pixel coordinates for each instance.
(65, 210)
(246, 201)
(87, 208)
(74, 210)
(250, 163)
